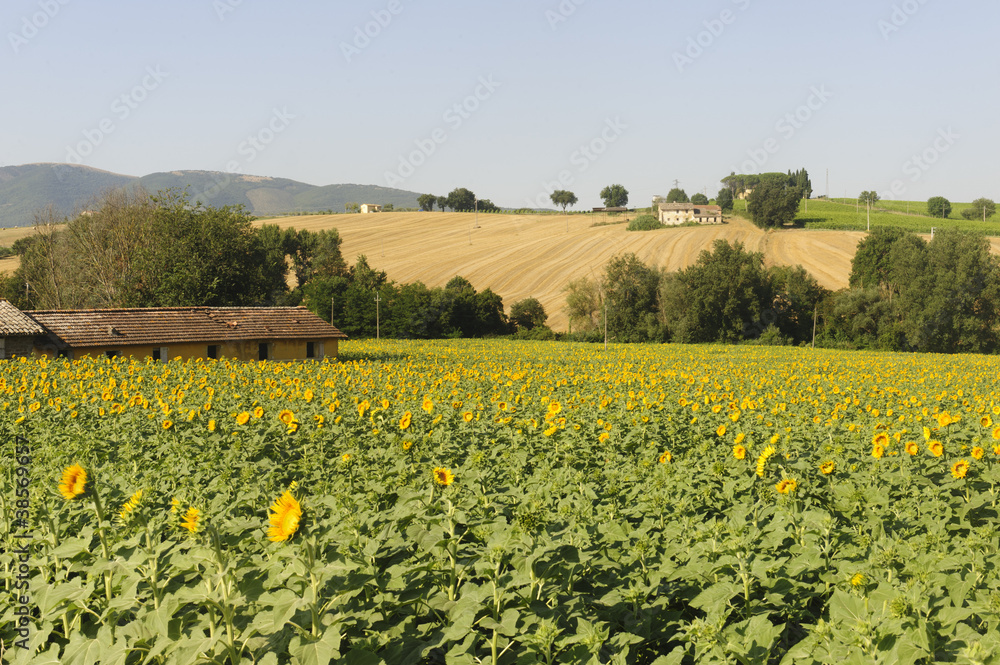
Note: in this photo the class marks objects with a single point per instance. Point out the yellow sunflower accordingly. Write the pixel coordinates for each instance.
(739, 452)
(826, 468)
(191, 520)
(443, 476)
(258, 411)
(284, 518)
(721, 431)
(977, 452)
(996, 432)
(404, 422)
(877, 451)
(167, 424)
(666, 457)
(243, 418)
(959, 469)
(286, 417)
(787, 485)
(936, 448)
(467, 416)
(986, 422)
(912, 448)
(73, 482)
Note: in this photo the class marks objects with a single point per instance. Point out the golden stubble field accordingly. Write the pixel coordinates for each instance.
(538, 255)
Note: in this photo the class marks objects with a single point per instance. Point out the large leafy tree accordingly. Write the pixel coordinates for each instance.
(951, 298)
(720, 298)
(772, 203)
(725, 199)
(938, 206)
(980, 209)
(563, 198)
(629, 288)
(614, 196)
(461, 200)
(528, 313)
(870, 266)
(677, 195)
(426, 202)
(699, 199)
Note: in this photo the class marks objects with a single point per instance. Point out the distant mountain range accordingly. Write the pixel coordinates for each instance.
(71, 189)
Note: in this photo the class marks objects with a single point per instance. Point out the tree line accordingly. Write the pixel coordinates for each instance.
(141, 250)
(905, 294)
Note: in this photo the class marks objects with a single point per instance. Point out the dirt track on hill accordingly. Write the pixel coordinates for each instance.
(537, 255)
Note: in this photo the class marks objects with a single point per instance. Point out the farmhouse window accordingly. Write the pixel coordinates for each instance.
(111, 353)
(310, 350)
(213, 351)
(262, 352)
(161, 354)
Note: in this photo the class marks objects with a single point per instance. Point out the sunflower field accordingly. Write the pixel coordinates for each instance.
(502, 502)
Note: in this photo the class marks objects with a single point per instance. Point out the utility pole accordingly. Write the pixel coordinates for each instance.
(815, 314)
(331, 310)
(378, 334)
(477, 213)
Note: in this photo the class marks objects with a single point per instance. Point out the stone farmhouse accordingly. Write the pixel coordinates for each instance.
(673, 214)
(368, 208)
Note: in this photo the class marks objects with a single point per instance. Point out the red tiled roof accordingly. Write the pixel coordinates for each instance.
(14, 322)
(172, 325)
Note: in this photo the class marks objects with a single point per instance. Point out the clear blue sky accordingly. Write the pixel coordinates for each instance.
(590, 91)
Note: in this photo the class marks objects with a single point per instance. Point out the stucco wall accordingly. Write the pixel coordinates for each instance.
(248, 350)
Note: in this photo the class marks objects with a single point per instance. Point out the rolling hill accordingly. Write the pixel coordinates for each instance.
(70, 188)
(538, 255)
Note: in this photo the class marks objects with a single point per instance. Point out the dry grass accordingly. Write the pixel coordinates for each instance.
(537, 255)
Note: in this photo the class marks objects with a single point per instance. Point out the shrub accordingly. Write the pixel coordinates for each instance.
(644, 223)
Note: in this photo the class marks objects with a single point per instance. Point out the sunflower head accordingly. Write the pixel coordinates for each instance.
(826, 468)
(787, 485)
(192, 520)
(286, 417)
(285, 515)
(959, 469)
(73, 482)
(739, 452)
(443, 476)
(404, 422)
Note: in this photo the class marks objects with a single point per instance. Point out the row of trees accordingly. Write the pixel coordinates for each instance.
(138, 250)
(905, 294)
(726, 296)
(939, 206)
(459, 200)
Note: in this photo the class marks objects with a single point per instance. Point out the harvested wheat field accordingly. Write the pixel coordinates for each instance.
(537, 255)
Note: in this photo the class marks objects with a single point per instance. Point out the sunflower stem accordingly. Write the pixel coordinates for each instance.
(102, 532)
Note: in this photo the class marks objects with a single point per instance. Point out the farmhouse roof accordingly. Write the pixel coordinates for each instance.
(691, 206)
(14, 322)
(172, 325)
